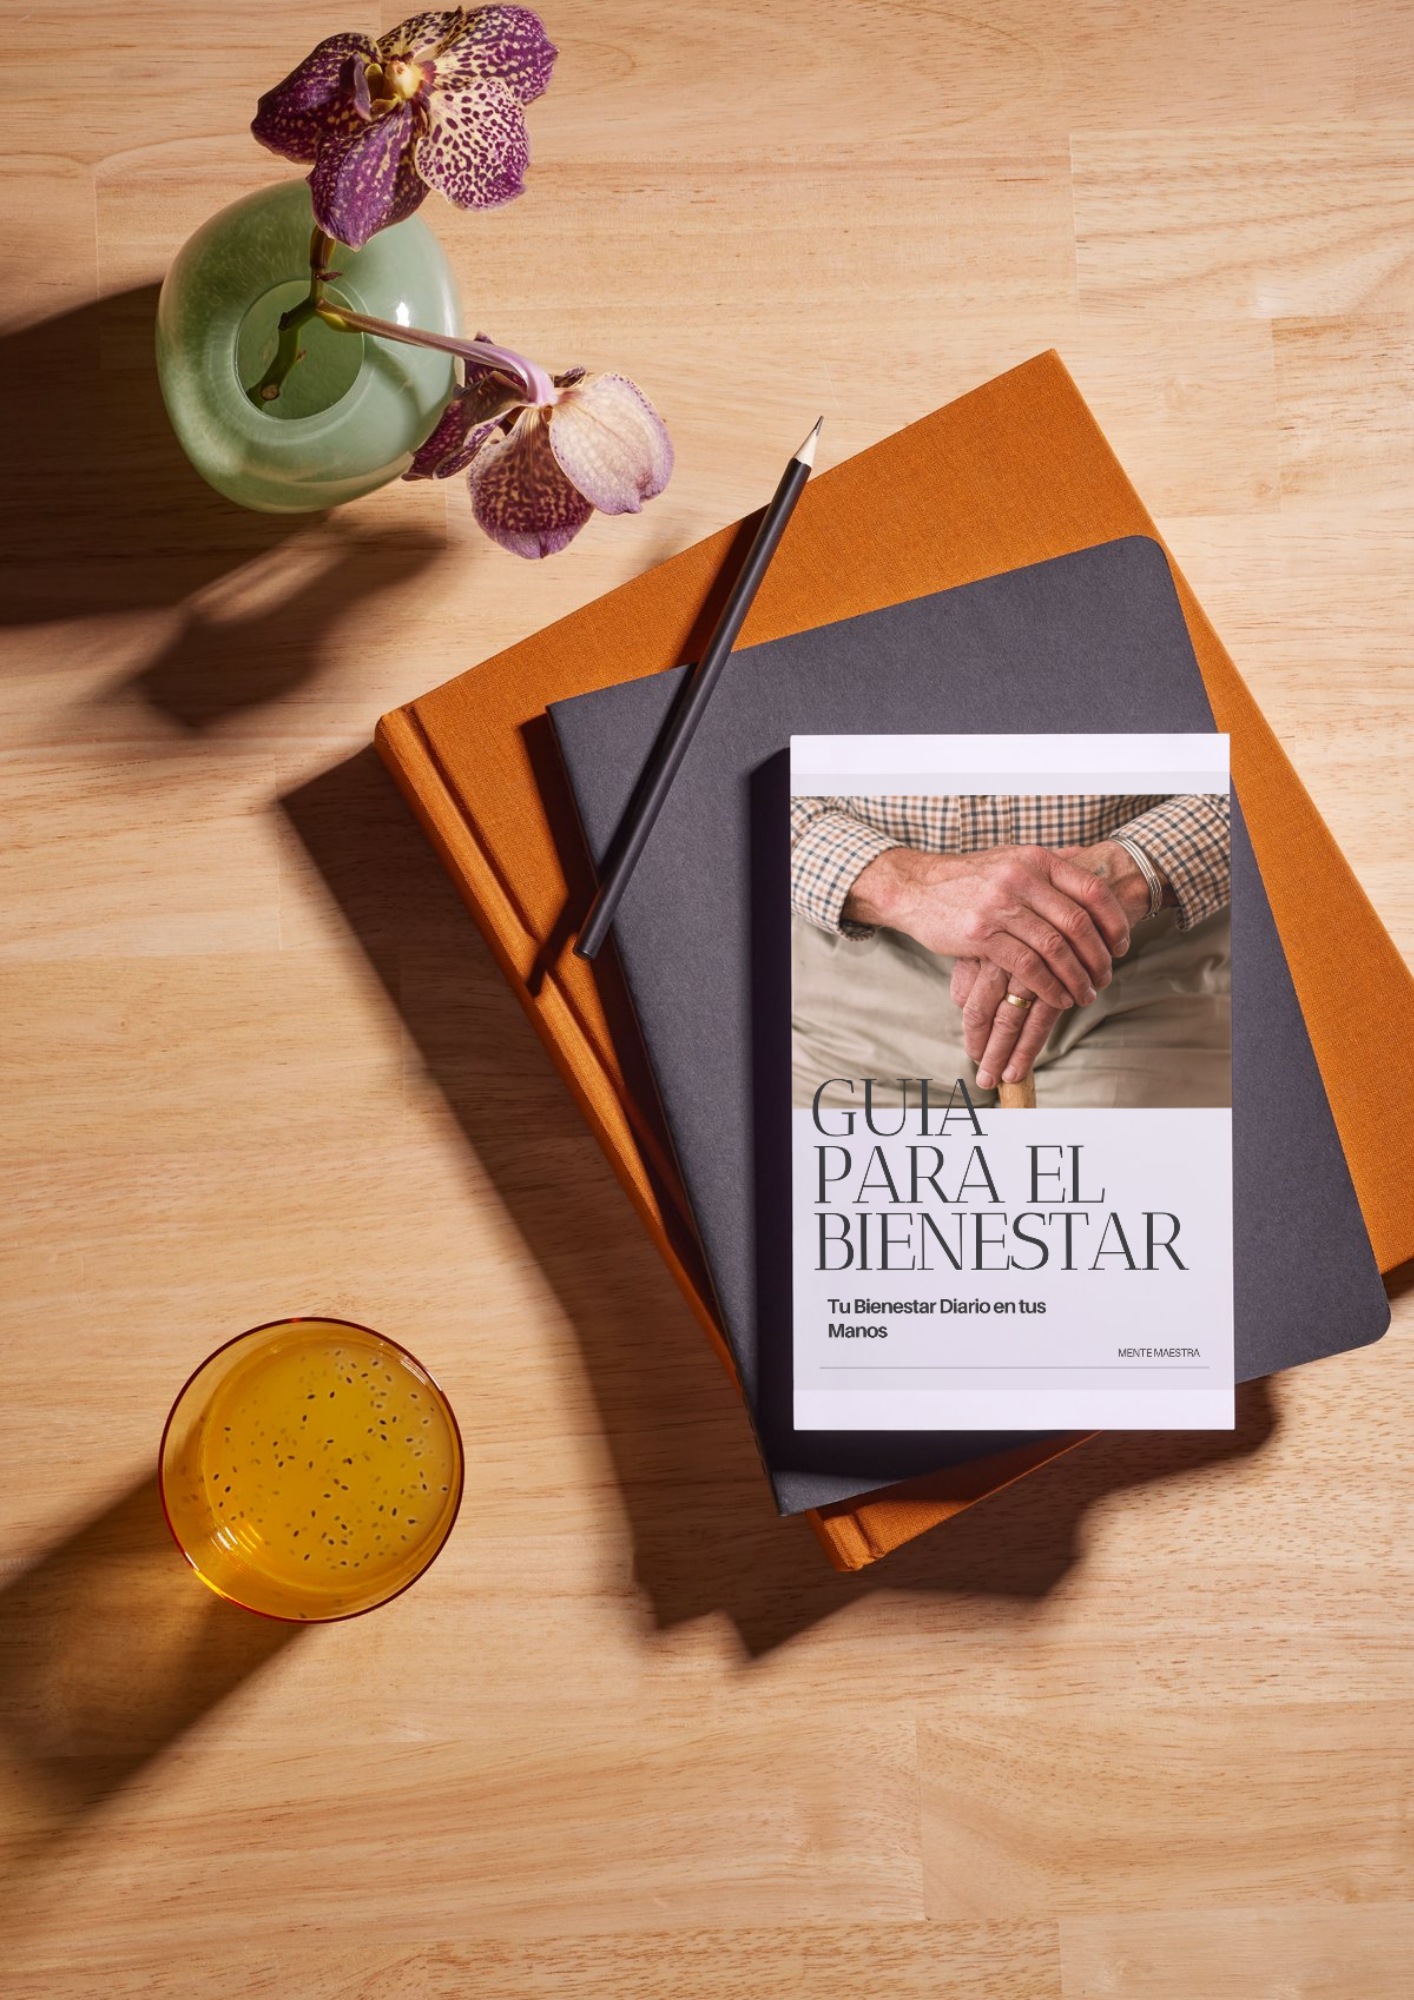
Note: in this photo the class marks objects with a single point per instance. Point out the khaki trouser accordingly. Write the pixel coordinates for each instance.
(1159, 1034)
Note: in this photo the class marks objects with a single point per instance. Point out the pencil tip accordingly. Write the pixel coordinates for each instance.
(806, 454)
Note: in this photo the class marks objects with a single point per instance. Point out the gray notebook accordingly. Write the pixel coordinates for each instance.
(1088, 642)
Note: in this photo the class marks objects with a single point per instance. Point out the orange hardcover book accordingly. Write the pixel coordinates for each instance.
(1014, 473)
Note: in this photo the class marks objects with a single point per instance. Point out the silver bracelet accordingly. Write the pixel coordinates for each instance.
(1146, 868)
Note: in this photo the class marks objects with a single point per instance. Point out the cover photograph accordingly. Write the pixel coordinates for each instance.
(967, 913)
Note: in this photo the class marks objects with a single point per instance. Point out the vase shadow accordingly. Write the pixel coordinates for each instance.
(251, 639)
(110, 1652)
(102, 515)
(706, 1538)
(101, 512)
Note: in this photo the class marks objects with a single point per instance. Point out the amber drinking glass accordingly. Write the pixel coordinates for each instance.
(311, 1469)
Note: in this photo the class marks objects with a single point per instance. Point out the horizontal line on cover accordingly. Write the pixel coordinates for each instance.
(1009, 784)
(1043, 753)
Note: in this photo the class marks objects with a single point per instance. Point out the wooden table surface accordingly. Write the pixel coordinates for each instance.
(1141, 1726)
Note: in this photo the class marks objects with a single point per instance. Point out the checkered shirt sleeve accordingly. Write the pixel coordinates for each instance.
(834, 839)
(1189, 840)
(829, 848)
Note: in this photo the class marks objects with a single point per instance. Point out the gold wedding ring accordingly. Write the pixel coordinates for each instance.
(1021, 1000)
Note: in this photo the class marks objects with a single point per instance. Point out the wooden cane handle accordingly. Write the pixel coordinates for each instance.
(1019, 1096)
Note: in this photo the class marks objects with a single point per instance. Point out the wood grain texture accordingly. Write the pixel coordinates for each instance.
(1139, 1726)
(1334, 1952)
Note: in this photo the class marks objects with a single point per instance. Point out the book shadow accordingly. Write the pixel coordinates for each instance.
(706, 1538)
(1400, 1280)
(111, 1651)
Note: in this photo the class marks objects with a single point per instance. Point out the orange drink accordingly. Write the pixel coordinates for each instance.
(311, 1469)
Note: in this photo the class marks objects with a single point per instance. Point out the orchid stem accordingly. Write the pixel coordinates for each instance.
(287, 348)
(538, 387)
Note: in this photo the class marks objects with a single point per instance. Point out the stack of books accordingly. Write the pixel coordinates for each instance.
(1002, 514)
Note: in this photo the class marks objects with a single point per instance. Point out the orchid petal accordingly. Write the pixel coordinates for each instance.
(519, 495)
(455, 454)
(506, 44)
(315, 100)
(477, 371)
(366, 180)
(463, 428)
(475, 150)
(611, 443)
(409, 191)
(421, 35)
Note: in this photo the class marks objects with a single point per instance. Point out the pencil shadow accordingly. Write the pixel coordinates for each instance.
(707, 1540)
(538, 737)
(539, 740)
(110, 1652)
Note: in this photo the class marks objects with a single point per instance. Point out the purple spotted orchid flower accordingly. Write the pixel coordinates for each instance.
(541, 453)
(437, 102)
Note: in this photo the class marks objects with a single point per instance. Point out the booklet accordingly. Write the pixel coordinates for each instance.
(967, 1263)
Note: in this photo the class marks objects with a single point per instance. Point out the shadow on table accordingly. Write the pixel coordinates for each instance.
(260, 635)
(110, 1651)
(101, 514)
(1400, 1280)
(706, 1539)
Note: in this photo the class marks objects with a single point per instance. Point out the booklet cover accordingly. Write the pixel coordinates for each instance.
(1043, 920)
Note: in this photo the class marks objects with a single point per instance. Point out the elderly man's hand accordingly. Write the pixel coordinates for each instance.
(1004, 1041)
(1117, 868)
(1051, 925)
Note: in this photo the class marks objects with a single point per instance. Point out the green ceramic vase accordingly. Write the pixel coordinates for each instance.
(354, 410)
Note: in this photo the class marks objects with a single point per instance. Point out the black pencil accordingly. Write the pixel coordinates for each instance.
(672, 745)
